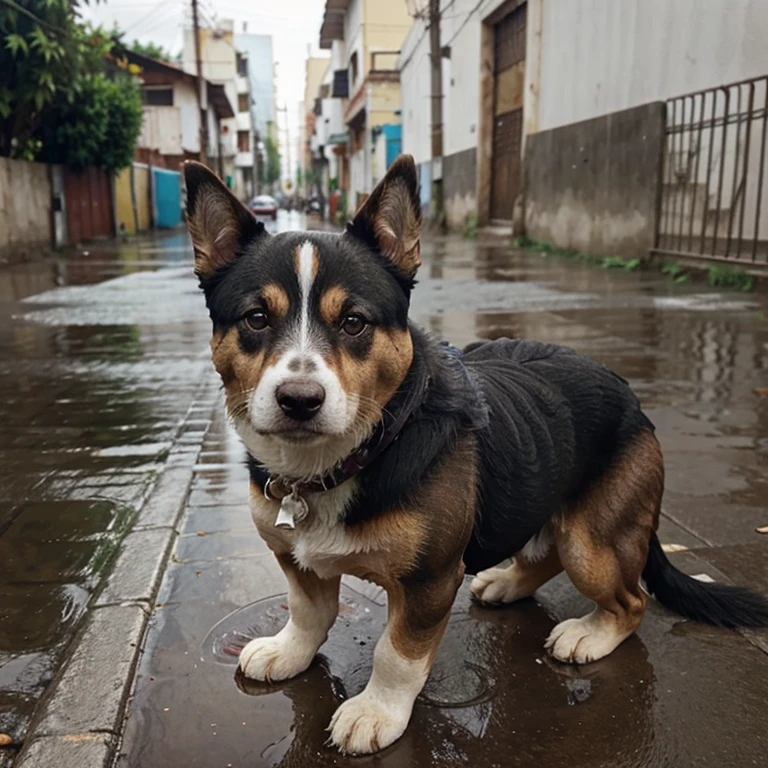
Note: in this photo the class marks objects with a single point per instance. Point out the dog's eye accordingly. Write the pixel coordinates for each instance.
(353, 325)
(257, 321)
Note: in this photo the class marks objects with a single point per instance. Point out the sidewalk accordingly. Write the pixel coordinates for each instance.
(678, 694)
(97, 379)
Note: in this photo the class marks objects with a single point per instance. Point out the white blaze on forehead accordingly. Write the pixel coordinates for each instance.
(306, 273)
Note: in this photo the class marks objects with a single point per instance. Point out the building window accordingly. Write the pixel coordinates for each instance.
(353, 69)
(243, 102)
(158, 97)
(243, 141)
(242, 65)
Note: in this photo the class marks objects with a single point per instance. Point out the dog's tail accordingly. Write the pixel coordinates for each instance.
(711, 603)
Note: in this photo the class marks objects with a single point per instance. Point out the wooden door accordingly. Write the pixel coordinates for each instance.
(509, 82)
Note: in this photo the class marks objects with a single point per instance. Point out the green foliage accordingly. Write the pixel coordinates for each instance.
(341, 211)
(44, 47)
(470, 226)
(97, 128)
(299, 177)
(60, 98)
(271, 168)
(152, 50)
(617, 262)
(729, 277)
(676, 272)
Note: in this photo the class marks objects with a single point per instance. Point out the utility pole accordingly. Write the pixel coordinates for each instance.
(287, 145)
(436, 61)
(200, 85)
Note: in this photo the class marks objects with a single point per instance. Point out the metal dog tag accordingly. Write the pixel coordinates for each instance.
(293, 509)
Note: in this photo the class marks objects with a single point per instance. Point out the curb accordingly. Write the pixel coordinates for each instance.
(78, 722)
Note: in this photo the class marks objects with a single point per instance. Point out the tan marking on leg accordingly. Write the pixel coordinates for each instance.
(603, 545)
(277, 300)
(418, 615)
(517, 581)
(331, 304)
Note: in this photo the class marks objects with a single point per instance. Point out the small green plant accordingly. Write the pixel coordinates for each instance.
(470, 226)
(729, 277)
(618, 262)
(677, 273)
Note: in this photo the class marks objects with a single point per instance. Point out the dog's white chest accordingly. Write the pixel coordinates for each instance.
(318, 540)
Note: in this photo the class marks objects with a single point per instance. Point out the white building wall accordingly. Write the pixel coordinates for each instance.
(185, 98)
(600, 56)
(354, 43)
(161, 130)
(461, 31)
(414, 93)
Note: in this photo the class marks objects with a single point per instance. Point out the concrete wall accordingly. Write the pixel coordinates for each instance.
(600, 56)
(129, 221)
(25, 209)
(460, 30)
(414, 92)
(460, 187)
(594, 185)
(354, 42)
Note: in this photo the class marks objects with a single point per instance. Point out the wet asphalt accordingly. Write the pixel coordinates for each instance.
(98, 366)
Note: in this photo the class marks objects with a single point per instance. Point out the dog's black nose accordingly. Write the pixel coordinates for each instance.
(300, 399)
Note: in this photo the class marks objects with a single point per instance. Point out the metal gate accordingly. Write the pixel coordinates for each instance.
(89, 204)
(714, 196)
(509, 80)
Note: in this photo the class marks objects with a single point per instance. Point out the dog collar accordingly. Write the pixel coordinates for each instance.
(290, 493)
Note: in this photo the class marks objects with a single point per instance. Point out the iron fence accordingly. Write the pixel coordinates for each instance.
(714, 196)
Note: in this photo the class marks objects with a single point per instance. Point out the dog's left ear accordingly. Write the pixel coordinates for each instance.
(220, 225)
(391, 216)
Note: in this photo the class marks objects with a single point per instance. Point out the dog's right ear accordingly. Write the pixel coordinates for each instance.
(220, 225)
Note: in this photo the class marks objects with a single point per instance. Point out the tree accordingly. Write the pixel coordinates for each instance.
(271, 169)
(61, 96)
(153, 51)
(43, 47)
(98, 128)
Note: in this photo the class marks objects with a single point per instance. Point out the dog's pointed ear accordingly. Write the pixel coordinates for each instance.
(391, 216)
(220, 225)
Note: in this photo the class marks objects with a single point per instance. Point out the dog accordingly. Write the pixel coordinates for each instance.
(377, 451)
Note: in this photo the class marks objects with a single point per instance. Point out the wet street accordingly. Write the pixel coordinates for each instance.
(107, 388)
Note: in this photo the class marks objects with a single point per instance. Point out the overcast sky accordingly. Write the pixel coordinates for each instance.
(293, 24)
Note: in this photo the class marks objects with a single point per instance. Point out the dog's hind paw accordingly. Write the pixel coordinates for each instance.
(361, 725)
(583, 640)
(497, 585)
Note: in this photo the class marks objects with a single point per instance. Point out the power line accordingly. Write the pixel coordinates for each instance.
(161, 9)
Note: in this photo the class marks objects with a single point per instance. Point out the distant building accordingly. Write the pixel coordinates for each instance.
(364, 37)
(257, 50)
(315, 70)
(170, 132)
(224, 65)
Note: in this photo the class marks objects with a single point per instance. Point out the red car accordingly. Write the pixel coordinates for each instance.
(264, 205)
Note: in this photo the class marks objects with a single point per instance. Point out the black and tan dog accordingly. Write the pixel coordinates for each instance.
(376, 451)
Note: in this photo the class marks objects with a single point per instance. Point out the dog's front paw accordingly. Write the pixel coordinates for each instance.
(362, 725)
(270, 659)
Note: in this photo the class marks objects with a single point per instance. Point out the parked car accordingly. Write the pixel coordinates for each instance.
(264, 205)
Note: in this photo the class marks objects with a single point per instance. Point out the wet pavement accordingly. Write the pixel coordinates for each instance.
(102, 354)
(677, 694)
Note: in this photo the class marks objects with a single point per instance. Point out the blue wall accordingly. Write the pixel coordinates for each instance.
(393, 134)
(167, 196)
